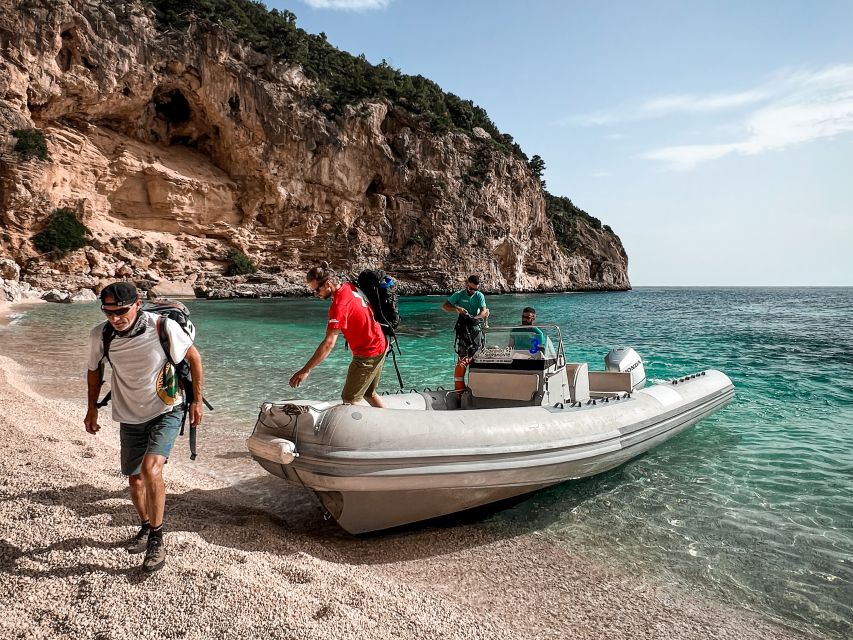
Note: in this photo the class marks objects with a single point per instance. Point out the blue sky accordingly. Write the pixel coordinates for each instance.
(716, 138)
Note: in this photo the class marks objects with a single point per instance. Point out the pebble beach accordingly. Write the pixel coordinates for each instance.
(235, 570)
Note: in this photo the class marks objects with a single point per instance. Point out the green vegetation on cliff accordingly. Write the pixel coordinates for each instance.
(239, 264)
(31, 143)
(62, 233)
(564, 216)
(342, 78)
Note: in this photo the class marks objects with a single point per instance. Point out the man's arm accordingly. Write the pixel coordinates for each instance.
(484, 310)
(196, 409)
(451, 307)
(322, 352)
(454, 309)
(93, 387)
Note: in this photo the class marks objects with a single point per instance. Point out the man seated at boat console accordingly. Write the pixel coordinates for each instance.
(527, 337)
(502, 345)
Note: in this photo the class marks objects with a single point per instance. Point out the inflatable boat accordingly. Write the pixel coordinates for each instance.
(527, 420)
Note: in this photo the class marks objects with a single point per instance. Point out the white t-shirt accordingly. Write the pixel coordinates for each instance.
(140, 371)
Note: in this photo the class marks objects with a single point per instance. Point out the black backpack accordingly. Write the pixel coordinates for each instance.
(469, 336)
(178, 312)
(381, 292)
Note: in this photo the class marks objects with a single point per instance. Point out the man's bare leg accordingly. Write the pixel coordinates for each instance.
(375, 401)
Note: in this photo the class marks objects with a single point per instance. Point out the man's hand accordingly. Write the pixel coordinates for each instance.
(320, 354)
(196, 412)
(91, 420)
(299, 377)
(462, 311)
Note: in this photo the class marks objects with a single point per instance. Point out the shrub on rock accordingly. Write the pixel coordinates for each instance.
(63, 233)
(31, 144)
(239, 264)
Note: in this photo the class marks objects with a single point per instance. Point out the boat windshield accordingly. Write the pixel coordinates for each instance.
(540, 342)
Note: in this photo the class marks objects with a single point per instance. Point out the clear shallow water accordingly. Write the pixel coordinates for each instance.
(753, 506)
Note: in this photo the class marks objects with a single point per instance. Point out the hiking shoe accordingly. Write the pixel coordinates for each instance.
(139, 542)
(155, 554)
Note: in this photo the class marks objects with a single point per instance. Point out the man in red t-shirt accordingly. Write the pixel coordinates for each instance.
(351, 315)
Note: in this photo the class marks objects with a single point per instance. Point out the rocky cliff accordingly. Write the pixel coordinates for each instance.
(175, 146)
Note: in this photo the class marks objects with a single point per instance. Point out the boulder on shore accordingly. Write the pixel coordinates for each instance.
(170, 289)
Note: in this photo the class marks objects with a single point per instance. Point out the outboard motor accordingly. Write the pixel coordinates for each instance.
(626, 360)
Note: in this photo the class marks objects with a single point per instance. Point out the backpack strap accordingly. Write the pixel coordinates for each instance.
(163, 336)
(396, 367)
(107, 336)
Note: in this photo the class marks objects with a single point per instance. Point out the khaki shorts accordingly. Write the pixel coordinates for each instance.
(362, 378)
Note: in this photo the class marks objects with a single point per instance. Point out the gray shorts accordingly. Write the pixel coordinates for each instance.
(155, 437)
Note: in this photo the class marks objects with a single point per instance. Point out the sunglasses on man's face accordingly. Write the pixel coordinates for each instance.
(528, 317)
(471, 287)
(116, 312)
(316, 290)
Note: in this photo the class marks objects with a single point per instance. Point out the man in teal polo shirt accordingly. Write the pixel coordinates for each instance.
(471, 303)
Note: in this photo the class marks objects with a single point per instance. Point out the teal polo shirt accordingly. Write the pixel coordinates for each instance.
(472, 304)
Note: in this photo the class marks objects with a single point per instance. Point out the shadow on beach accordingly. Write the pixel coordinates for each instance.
(267, 515)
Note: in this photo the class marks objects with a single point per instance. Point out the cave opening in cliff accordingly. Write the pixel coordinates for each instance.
(375, 186)
(173, 107)
(185, 141)
(65, 56)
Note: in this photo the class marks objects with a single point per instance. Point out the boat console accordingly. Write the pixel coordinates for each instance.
(521, 366)
(517, 367)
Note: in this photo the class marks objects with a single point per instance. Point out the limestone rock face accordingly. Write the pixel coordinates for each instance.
(15, 291)
(9, 270)
(175, 148)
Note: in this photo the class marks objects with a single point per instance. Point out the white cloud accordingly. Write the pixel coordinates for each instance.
(665, 105)
(688, 156)
(699, 104)
(597, 119)
(348, 5)
(804, 107)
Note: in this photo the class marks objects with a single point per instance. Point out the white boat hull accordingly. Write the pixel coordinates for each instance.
(379, 468)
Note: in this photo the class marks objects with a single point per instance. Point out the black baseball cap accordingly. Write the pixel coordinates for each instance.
(124, 293)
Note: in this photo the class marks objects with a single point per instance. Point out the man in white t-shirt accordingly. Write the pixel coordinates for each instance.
(146, 402)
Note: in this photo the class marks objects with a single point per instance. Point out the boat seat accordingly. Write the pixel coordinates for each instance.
(609, 382)
(577, 374)
(490, 389)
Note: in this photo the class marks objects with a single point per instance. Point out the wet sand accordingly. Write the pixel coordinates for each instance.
(237, 570)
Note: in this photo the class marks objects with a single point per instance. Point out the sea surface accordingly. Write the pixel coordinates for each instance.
(752, 507)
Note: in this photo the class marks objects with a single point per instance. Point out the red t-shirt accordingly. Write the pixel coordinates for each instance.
(350, 312)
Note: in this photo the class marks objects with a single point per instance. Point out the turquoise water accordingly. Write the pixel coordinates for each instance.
(753, 506)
